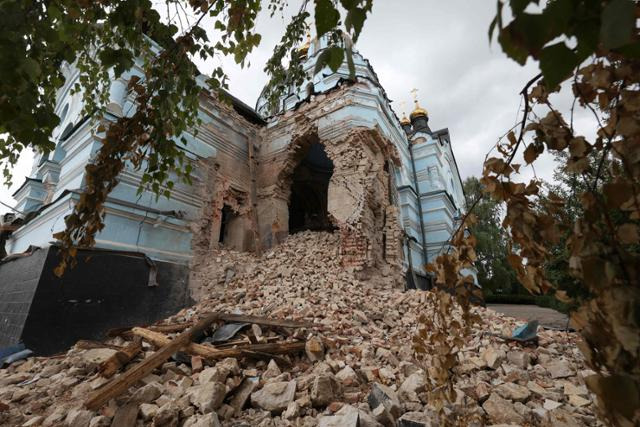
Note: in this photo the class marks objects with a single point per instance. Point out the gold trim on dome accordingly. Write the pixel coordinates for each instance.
(304, 48)
(405, 120)
(418, 111)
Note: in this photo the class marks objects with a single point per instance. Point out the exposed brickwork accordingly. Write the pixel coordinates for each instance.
(359, 200)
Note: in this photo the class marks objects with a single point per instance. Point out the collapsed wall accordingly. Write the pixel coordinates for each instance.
(358, 195)
(354, 364)
(304, 171)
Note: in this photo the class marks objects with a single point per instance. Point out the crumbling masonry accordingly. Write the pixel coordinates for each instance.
(357, 199)
(330, 156)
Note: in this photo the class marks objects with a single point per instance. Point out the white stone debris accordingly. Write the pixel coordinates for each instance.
(358, 369)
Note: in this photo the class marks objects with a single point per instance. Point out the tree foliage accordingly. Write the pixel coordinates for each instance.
(494, 272)
(597, 45)
(104, 40)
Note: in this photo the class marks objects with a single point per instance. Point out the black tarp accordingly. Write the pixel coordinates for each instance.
(107, 289)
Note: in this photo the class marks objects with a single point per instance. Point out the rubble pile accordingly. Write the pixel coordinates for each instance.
(347, 361)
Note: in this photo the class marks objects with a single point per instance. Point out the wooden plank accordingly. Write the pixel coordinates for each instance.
(87, 345)
(209, 352)
(258, 320)
(174, 327)
(112, 365)
(121, 384)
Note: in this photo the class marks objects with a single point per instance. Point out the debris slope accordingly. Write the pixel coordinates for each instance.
(344, 359)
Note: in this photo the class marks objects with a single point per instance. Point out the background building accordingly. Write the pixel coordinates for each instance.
(332, 155)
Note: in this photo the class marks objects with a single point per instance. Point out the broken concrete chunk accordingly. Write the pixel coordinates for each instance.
(570, 389)
(559, 369)
(230, 364)
(292, 411)
(167, 416)
(272, 371)
(347, 376)
(550, 405)
(413, 385)
(501, 411)
(274, 397)
(324, 389)
(96, 356)
(382, 395)
(482, 391)
(562, 418)
(514, 392)
(383, 416)
(148, 393)
(314, 349)
(519, 358)
(78, 418)
(366, 419)
(578, 401)
(207, 397)
(417, 419)
(207, 420)
(125, 416)
(347, 416)
(214, 374)
(34, 421)
(493, 357)
(147, 411)
(243, 392)
(100, 421)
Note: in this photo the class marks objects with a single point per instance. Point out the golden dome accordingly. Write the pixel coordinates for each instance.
(418, 111)
(304, 47)
(405, 120)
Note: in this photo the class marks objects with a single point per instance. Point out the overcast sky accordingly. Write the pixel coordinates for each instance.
(439, 47)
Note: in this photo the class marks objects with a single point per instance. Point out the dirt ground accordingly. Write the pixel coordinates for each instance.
(546, 316)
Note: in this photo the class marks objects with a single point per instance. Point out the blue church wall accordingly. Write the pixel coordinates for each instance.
(429, 198)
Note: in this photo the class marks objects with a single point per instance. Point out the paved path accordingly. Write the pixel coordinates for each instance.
(546, 316)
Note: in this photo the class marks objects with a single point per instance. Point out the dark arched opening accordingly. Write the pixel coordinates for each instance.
(309, 188)
(227, 216)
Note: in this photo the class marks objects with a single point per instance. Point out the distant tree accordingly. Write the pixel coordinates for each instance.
(495, 275)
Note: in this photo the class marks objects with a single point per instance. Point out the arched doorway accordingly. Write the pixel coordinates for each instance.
(309, 190)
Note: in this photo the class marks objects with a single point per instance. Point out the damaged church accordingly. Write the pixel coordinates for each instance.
(332, 156)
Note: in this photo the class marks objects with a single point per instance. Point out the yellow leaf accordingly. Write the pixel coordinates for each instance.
(578, 147)
(628, 234)
(531, 153)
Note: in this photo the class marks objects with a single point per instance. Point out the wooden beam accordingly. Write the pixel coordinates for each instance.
(174, 327)
(112, 365)
(121, 384)
(209, 352)
(259, 320)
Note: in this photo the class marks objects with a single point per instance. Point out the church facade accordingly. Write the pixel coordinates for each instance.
(331, 156)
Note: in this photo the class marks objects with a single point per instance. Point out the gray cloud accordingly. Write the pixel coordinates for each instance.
(441, 48)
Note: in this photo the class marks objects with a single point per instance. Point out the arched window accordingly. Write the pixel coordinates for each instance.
(63, 114)
(67, 131)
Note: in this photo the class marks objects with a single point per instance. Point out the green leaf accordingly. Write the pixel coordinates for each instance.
(513, 49)
(322, 60)
(31, 67)
(556, 63)
(618, 21)
(519, 5)
(327, 17)
(355, 19)
(336, 56)
(631, 50)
